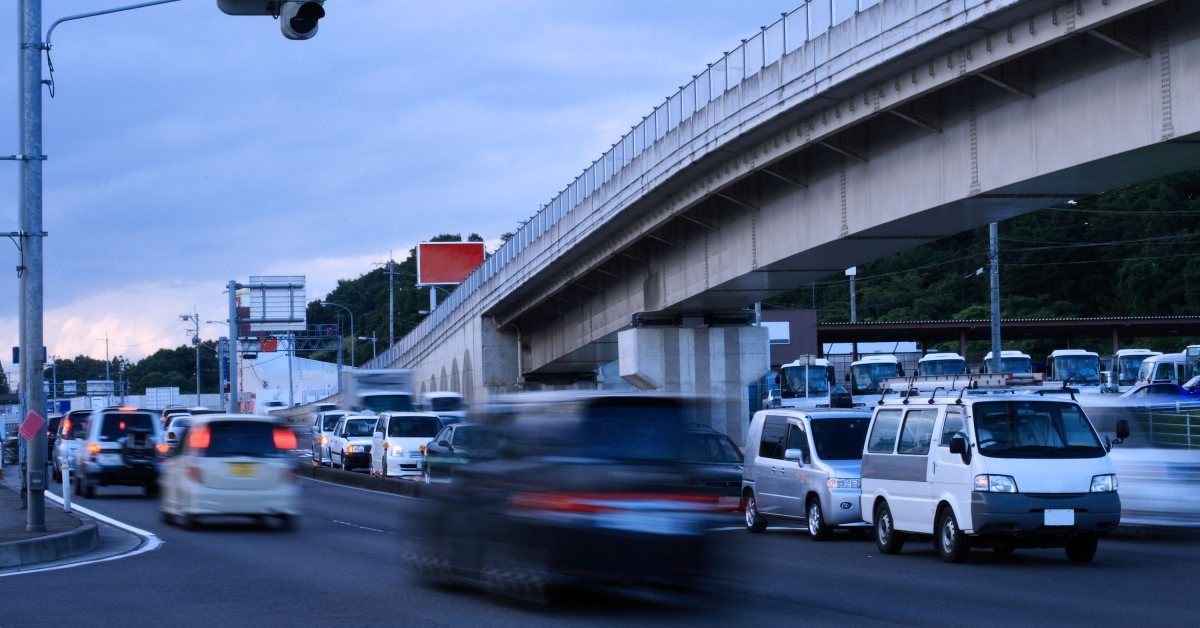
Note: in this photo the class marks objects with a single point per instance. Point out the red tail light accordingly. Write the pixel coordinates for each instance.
(284, 438)
(93, 448)
(199, 438)
(162, 448)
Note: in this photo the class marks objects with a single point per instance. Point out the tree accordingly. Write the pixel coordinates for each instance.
(3, 381)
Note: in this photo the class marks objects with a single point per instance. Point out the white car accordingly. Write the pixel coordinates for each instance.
(398, 443)
(178, 423)
(447, 405)
(322, 431)
(350, 444)
(231, 465)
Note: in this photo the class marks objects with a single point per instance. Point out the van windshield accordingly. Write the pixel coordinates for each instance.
(840, 439)
(359, 427)
(1034, 429)
(413, 427)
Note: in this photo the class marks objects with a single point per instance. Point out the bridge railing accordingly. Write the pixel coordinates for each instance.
(787, 34)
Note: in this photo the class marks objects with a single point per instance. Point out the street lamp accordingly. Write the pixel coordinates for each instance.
(372, 338)
(330, 303)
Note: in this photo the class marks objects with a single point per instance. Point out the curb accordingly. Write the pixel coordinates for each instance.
(407, 488)
(51, 547)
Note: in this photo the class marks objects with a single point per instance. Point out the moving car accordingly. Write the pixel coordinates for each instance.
(999, 474)
(231, 465)
(1161, 393)
(350, 444)
(121, 447)
(716, 463)
(322, 431)
(456, 445)
(804, 466)
(71, 433)
(587, 490)
(398, 442)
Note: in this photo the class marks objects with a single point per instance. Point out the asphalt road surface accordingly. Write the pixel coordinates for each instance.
(341, 567)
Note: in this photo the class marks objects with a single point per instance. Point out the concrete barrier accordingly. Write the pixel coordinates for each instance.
(410, 488)
(51, 547)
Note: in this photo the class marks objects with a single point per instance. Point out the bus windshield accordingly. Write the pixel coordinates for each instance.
(1079, 369)
(954, 366)
(1128, 367)
(792, 381)
(1016, 365)
(867, 379)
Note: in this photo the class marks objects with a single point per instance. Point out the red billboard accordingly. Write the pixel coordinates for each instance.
(447, 262)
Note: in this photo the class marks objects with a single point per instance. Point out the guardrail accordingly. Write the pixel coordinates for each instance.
(1174, 426)
(787, 34)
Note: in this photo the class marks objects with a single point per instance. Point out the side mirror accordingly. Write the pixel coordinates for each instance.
(795, 455)
(958, 445)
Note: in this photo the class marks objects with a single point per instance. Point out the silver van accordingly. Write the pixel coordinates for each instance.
(804, 466)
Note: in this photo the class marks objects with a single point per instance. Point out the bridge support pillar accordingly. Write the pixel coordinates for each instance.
(500, 370)
(714, 362)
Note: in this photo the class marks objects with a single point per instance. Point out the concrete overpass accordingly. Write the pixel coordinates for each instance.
(808, 149)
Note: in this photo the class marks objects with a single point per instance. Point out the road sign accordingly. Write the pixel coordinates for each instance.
(443, 263)
(17, 355)
(32, 424)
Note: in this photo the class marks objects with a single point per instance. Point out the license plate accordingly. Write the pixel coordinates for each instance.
(243, 469)
(1059, 517)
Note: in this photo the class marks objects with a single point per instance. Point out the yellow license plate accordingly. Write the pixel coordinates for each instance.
(243, 469)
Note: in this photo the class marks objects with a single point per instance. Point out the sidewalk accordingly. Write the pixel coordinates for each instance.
(66, 535)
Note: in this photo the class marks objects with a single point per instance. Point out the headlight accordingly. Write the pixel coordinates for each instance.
(844, 483)
(397, 450)
(995, 484)
(1104, 483)
(351, 449)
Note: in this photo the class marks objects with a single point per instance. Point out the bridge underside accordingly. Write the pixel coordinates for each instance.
(1017, 121)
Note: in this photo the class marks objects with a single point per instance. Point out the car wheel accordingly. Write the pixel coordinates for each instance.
(755, 522)
(1082, 549)
(188, 521)
(817, 530)
(165, 517)
(951, 543)
(887, 538)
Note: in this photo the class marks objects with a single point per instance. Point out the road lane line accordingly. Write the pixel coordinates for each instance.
(355, 488)
(355, 525)
(150, 541)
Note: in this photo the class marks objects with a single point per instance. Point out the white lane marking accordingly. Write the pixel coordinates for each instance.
(355, 488)
(150, 541)
(355, 525)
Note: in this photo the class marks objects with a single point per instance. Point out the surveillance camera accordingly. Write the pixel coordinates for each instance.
(298, 18)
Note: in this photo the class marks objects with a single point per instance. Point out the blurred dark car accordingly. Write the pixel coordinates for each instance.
(587, 489)
(1162, 391)
(716, 463)
(457, 444)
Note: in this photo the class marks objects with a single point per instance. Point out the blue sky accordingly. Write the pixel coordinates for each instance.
(188, 147)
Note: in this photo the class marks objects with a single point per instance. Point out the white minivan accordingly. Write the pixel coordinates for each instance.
(1019, 472)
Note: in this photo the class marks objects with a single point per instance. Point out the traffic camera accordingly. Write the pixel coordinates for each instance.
(297, 18)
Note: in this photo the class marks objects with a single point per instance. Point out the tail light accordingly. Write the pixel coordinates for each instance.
(194, 474)
(285, 438)
(93, 448)
(199, 438)
(162, 448)
(171, 435)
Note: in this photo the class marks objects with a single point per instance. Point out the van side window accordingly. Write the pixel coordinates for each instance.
(797, 440)
(917, 432)
(773, 432)
(883, 432)
(953, 426)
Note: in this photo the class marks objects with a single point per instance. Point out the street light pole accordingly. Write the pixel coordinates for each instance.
(372, 338)
(30, 269)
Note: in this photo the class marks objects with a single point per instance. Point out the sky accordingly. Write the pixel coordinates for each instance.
(187, 148)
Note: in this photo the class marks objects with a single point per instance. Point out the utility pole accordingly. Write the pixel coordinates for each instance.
(233, 347)
(290, 353)
(994, 261)
(107, 364)
(391, 271)
(194, 318)
(852, 272)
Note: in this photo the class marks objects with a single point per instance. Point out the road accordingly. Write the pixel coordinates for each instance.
(341, 567)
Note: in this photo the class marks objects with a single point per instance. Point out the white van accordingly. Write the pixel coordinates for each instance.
(941, 364)
(989, 473)
(1158, 369)
(398, 442)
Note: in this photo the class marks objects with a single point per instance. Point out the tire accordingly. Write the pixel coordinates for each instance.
(755, 521)
(1082, 549)
(188, 521)
(949, 539)
(166, 517)
(817, 528)
(887, 538)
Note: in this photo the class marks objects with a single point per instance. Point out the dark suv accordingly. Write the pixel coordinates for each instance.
(584, 490)
(122, 447)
